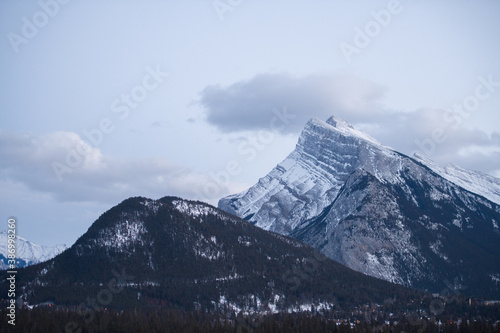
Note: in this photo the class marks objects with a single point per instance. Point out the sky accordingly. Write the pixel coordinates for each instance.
(101, 101)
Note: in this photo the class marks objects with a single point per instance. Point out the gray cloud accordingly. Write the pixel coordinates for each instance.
(426, 131)
(248, 105)
(29, 160)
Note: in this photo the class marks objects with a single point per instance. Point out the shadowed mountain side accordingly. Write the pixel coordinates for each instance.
(190, 255)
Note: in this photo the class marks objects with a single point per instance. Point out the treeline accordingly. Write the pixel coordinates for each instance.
(51, 320)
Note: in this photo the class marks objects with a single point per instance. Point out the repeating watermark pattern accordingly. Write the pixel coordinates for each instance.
(454, 117)
(223, 6)
(104, 297)
(11, 248)
(30, 28)
(121, 106)
(372, 29)
(249, 150)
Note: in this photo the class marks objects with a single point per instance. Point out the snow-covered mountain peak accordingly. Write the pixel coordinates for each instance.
(340, 127)
(302, 185)
(4, 234)
(27, 253)
(338, 122)
(374, 209)
(327, 153)
(471, 180)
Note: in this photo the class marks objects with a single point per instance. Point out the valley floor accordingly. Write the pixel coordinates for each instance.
(50, 319)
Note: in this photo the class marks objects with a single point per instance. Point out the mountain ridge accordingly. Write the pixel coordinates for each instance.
(474, 181)
(355, 200)
(190, 255)
(27, 253)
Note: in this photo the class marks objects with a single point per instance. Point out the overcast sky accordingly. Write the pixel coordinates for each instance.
(105, 100)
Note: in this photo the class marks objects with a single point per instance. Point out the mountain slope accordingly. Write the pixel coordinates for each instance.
(471, 180)
(27, 253)
(377, 211)
(310, 178)
(190, 255)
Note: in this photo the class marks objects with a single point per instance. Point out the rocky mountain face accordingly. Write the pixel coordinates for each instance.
(471, 180)
(189, 255)
(27, 253)
(402, 219)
